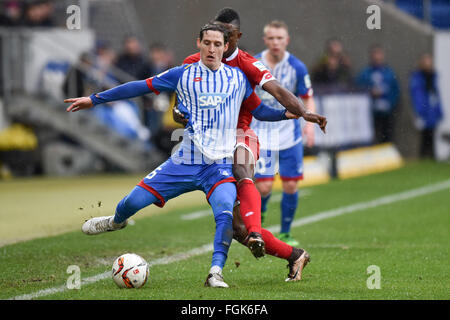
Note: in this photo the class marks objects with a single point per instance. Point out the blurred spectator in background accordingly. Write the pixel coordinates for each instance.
(136, 65)
(132, 60)
(381, 83)
(333, 68)
(103, 62)
(163, 138)
(426, 103)
(77, 77)
(11, 13)
(92, 72)
(161, 57)
(38, 13)
(123, 117)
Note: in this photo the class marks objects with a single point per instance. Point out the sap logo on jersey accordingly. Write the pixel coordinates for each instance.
(211, 100)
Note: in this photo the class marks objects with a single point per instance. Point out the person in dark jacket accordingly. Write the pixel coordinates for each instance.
(132, 60)
(426, 103)
(381, 82)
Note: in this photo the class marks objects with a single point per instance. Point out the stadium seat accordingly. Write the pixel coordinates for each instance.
(413, 7)
(440, 14)
(439, 11)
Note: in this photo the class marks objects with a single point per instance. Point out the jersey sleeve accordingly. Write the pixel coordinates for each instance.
(251, 100)
(304, 88)
(165, 81)
(124, 91)
(256, 72)
(250, 103)
(268, 113)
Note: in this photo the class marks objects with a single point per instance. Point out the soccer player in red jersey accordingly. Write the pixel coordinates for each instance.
(259, 240)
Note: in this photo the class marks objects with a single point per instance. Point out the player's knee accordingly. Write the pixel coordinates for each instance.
(264, 187)
(130, 203)
(290, 186)
(222, 201)
(136, 200)
(242, 171)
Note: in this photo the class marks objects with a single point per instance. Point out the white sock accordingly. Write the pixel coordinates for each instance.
(215, 269)
(111, 221)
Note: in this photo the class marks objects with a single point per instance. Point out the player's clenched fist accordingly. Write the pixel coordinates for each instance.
(316, 118)
(79, 104)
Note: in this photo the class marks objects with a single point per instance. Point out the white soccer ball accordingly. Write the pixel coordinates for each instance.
(130, 271)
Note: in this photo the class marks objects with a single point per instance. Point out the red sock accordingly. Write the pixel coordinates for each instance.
(275, 247)
(250, 205)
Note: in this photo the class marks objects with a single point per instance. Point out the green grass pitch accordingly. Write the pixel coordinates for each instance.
(408, 239)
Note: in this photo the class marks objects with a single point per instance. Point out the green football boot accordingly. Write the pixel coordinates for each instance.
(287, 238)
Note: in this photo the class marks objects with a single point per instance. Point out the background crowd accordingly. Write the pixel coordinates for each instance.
(332, 72)
(149, 118)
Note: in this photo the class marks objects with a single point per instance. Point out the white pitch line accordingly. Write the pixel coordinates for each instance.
(166, 260)
(405, 195)
(196, 214)
(301, 193)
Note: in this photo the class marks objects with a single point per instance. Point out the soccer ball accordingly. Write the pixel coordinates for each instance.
(130, 271)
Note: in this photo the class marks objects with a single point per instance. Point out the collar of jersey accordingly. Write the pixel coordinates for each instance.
(234, 55)
(263, 57)
(202, 65)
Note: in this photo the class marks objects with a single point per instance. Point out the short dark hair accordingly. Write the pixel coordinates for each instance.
(228, 15)
(211, 26)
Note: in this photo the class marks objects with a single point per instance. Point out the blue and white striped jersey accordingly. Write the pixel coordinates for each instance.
(212, 101)
(293, 75)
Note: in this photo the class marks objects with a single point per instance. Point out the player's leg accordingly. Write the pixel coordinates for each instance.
(264, 186)
(221, 200)
(289, 204)
(291, 171)
(245, 156)
(142, 195)
(297, 258)
(137, 199)
(264, 176)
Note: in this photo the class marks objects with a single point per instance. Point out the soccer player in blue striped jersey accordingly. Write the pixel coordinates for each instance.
(281, 142)
(211, 93)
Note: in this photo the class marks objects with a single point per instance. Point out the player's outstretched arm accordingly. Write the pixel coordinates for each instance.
(293, 104)
(267, 113)
(125, 91)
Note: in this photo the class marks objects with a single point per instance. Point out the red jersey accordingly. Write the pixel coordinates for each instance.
(254, 70)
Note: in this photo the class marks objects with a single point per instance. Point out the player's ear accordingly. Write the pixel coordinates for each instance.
(225, 47)
(239, 35)
(198, 43)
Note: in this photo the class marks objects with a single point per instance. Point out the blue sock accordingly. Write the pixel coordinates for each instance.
(222, 201)
(137, 199)
(264, 201)
(289, 204)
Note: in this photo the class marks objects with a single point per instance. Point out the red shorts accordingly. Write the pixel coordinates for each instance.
(249, 140)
